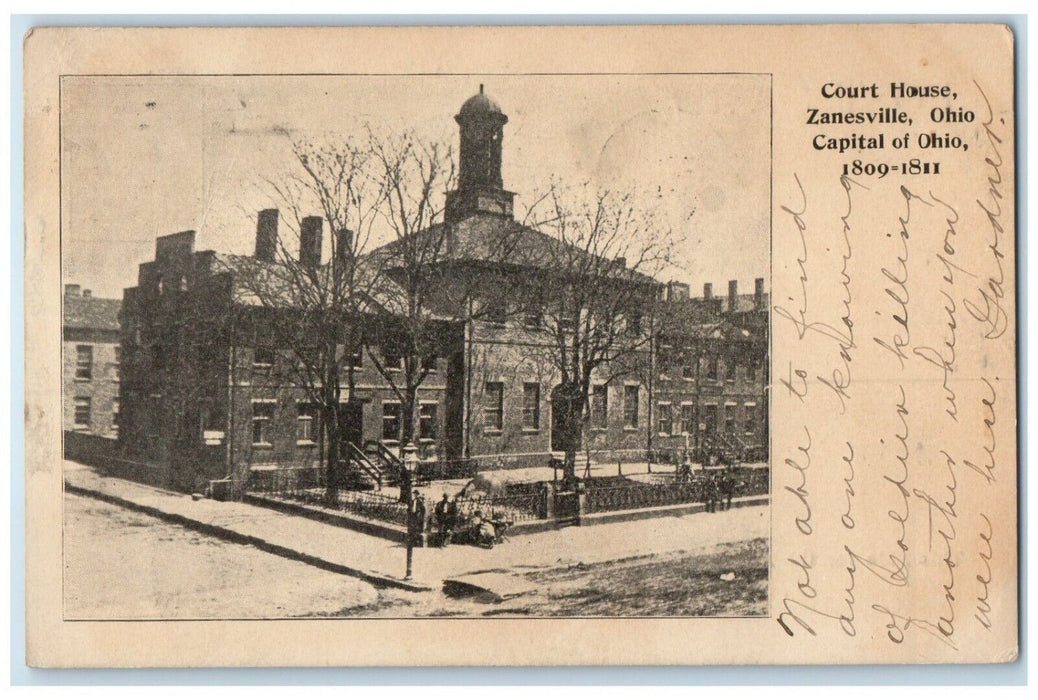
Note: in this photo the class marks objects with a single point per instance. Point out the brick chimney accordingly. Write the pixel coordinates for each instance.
(87, 293)
(343, 244)
(733, 295)
(72, 290)
(310, 230)
(708, 291)
(758, 293)
(677, 290)
(267, 235)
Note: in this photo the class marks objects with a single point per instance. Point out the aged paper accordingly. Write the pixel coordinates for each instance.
(655, 345)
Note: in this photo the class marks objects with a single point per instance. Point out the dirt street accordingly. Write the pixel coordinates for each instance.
(121, 564)
(124, 565)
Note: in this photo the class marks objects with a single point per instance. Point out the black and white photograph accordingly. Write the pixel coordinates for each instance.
(399, 346)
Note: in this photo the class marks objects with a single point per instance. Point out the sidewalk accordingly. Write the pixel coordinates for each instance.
(382, 562)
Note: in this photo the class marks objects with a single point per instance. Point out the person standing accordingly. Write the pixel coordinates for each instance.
(417, 518)
(452, 519)
(440, 514)
(728, 487)
(710, 493)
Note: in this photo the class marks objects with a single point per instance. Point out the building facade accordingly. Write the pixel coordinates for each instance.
(711, 379)
(91, 359)
(208, 392)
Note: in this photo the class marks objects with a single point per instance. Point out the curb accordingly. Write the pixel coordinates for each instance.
(619, 516)
(372, 577)
(374, 528)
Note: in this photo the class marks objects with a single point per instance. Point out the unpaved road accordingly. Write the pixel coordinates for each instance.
(120, 564)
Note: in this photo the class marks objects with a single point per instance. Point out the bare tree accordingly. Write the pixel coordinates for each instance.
(405, 336)
(592, 294)
(448, 273)
(311, 310)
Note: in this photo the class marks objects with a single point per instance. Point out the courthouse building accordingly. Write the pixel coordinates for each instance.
(201, 390)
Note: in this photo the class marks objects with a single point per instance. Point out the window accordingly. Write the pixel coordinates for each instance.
(599, 407)
(115, 413)
(357, 359)
(303, 357)
(567, 324)
(429, 363)
(493, 406)
(749, 416)
(263, 358)
(394, 361)
(666, 359)
(711, 367)
(305, 415)
(496, 312)
(751, 371)
(427, 425)
(531, 406)
(666, 419)
(391, 414)
(630, 406)
(532, 319)
(688, 370)
(262, 417)
(82, 412)
(634, 324)
(729, 419)
(729, 370)
(159, 356)
(209, 423)
(84, 362)
(688, 424)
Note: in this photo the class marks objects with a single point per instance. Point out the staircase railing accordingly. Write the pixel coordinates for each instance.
(730, 445)
(389, 459)
(355, 456)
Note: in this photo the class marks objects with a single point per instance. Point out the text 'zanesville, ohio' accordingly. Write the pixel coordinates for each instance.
(931, 109)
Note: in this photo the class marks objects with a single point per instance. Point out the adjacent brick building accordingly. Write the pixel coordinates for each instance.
(711, 378)
(90, 362)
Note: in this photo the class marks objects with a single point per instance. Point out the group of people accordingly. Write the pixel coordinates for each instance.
(718, 490)
(449, 525)
(446, 515)
(718, 486)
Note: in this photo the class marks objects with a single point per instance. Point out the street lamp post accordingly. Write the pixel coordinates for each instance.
(410, 459)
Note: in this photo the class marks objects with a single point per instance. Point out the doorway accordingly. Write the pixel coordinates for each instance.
(351, 423)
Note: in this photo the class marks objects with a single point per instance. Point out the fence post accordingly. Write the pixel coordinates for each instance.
(581, 501)
(547, 505)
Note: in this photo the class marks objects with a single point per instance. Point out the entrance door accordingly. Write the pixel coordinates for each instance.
(351, 422)
(558, 407)
(556, 426)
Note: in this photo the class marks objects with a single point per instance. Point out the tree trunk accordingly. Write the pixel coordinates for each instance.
(408, 417)
(331, 471)
(572, 430)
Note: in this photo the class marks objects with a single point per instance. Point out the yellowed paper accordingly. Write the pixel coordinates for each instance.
(863, 174)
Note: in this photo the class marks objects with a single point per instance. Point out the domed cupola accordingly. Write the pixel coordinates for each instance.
(480, 187)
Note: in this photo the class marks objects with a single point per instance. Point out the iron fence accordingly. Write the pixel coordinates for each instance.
(634, 495)
(615, 493)
(306, 485)
(514, 507)
(443, 469)
(374, 506)
(285, 481)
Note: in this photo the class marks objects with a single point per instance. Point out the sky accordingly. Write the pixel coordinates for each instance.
(147, 156)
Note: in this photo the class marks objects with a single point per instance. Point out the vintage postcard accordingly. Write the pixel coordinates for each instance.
(525, 345)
